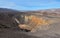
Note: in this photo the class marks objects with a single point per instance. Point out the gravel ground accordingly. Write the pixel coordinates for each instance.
(8, 33)
(53, 32)
(15, 33)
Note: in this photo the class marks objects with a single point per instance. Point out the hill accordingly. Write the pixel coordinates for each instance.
(9, 26)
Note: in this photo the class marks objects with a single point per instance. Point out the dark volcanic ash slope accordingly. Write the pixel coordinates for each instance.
(8, 27)
(6, 17)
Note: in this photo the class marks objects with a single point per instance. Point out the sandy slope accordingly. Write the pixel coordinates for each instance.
(53, 32)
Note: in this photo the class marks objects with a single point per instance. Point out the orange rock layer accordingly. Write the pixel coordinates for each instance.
(35, 22)
(39, 21)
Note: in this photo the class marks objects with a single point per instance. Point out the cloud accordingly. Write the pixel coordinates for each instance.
(6, 3)
(28, 4)
(9, 4)
(38, 3)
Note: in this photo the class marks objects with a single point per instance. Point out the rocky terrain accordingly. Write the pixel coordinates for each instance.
(9, 27)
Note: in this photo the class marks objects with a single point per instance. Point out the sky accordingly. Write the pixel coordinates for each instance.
(30, 4)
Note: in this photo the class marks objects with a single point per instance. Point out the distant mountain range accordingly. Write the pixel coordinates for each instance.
(54, 12)
(36, 11)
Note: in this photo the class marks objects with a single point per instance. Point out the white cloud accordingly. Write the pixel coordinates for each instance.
(41, 3)
(9, 4)
(28, 4)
